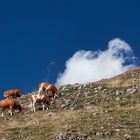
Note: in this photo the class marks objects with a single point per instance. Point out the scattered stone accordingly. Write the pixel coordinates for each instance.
(88, 93)
(51, 114)
(61, 137)
(88, 107)
(78, 94)
(107, 133)
(100, 88)
(118, 92)
(73, 137)
(131, 90)
(63, 106)
(80, 87)
(117, 130)
(127, 136)
(67, 102)
(95, 114)
(104, 90)
(76, 85)
(99, 134)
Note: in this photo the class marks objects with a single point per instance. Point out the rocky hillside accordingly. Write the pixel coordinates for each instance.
(104, 110)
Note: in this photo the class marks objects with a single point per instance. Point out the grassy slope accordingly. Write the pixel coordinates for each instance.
(97, 114)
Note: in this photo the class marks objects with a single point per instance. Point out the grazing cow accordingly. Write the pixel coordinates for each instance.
(10, 104)
(13, 93)
(48, 88)
(39, 98)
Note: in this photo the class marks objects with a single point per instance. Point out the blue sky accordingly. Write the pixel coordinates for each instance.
(37, 37)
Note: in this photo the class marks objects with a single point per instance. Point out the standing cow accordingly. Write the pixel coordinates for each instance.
(48, 88)
(42, 98)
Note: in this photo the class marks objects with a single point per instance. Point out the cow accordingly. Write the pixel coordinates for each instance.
(14, 93)
(40, 98)
(10, 104)
(48, 88)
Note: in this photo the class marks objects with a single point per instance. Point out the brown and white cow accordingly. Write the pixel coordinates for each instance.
(10, 104)
(42, 98)
(48, 88)
(14, 93)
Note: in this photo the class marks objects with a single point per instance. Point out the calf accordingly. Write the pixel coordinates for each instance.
(13, 93)
(10, 104)
(39, 98)
(48, 88)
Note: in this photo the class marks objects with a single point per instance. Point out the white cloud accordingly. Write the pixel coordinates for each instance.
(88, 66)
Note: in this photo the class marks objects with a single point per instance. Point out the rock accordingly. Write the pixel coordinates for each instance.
(80, 87)
(100, 88)
(127, 136)
(89, 138)
(64, 88)
(63, 106)
(104, 90)
(96, 90)
(51, 114)
(86, 93)
(99, 134)
(67, 102)
(117, 130)
(78, 94)
(95, 114)
(107, 133)
(61, 136)
(88, 107)
(118, 125)
(118, 92)
(73, 137)
(131, 90)
(76, 85)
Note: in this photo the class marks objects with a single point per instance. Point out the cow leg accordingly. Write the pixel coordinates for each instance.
(31, 105)
(2, 114)
(43, 106)
(34, 107)
(53, 94)
(39, 91)
(48, 107)
(11, 110)
(33, 101)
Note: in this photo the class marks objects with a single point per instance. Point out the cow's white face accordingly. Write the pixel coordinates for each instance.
(41, 87)
(47, 88)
